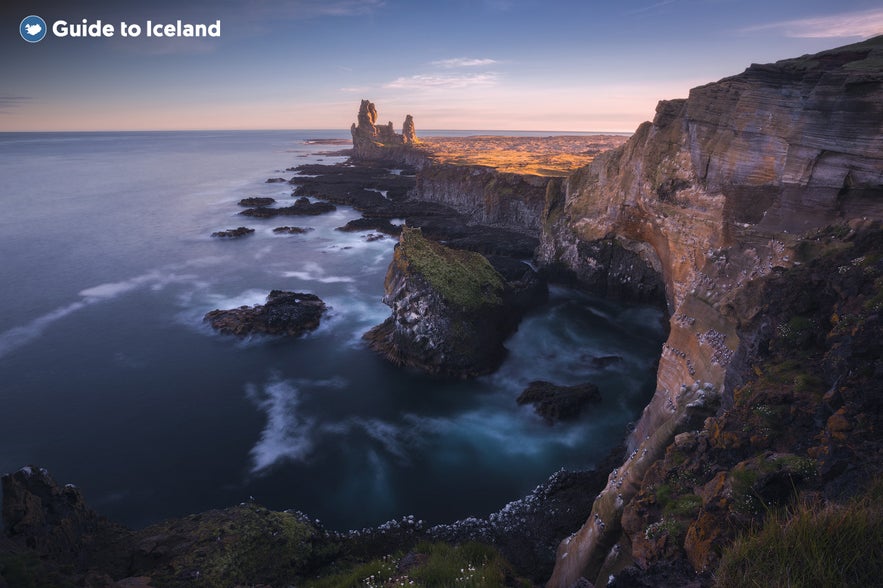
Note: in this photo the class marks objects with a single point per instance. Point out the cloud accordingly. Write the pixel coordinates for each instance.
(864, 24)
(300, 9)
(463, 62)
(432, 81)
(12, 102)
(649, 8)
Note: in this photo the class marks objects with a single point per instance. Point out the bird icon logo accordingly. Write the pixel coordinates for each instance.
(32, 29)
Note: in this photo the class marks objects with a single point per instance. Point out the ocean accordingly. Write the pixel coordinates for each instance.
(110, 379)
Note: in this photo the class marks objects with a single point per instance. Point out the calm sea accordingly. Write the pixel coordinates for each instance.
(110, 379)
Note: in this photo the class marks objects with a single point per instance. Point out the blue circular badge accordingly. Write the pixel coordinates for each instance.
(32, 29)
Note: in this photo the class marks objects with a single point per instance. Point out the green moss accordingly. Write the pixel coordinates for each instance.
(686, 505)
(242, 545)
(463, 278)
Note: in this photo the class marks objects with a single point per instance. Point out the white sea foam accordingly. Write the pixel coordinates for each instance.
(313, 272)
(287, 436)
(20, 336)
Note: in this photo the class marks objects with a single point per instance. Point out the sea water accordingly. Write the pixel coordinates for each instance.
(110, 378)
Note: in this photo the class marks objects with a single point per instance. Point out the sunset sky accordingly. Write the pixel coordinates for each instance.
(537, 65)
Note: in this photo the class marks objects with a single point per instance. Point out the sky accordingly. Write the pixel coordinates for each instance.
(537, 65)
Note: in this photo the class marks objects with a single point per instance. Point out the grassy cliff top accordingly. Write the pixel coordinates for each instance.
(540, 156)
(464, 278)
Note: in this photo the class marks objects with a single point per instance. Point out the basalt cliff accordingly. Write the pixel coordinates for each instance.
(721, 196)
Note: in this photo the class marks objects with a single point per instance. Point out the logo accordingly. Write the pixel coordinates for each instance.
(32, 29)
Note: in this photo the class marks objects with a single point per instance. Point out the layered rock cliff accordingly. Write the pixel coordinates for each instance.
(714, 196)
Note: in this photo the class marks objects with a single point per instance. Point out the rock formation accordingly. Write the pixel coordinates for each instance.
(285, 313)
(714, 195)
(555, 403)
(451, 310)
(371, 142)
(409, 133)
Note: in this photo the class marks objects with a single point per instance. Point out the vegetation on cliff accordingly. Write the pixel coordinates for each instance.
(463, 278)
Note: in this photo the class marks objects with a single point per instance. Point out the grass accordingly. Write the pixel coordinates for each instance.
(433, 565)
(811, 545)
(463, 278)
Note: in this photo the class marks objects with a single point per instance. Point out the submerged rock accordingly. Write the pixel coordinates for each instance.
(557, 403)
(285, 313)
(257, 201)
(450, 312)
(233, 233)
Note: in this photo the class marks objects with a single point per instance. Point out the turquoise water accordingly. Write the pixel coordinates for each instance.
(111, 380)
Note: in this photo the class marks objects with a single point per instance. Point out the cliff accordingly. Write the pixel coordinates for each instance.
(451, 309)
(716, 195)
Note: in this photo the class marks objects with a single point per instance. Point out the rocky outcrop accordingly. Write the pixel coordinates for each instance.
(285, 313)
(373, 142)
(301, 207)
(55, 523)
(555, 403)
(257, 201)
(714, 195)
(449, 310)
(233, 233)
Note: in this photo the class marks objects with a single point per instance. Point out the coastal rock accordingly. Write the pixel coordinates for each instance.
(557, 403)
(285, 313)
(291, 230)
(409, 133)
(373, 142)
(233, 233)
(301, 207)
(257, 201)
(276, 180)
(55, 523)
(716, 195)
(449, 316)
(381, 225)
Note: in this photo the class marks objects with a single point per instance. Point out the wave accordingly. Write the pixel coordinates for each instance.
(288, 434)
(156, 279)
(313, 272)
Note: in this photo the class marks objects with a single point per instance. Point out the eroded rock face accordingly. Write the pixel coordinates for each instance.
(285, 313)
(713, 195)
(56, 523)
(451, 310)
(373, 142)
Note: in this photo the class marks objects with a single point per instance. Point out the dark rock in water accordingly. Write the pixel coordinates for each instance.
(301, 207)
(276, 180)
(603, 361)
(555, 403)
(285, 313)
(371, 237)
(257, 201)
(381, 225)
(450, 310)
(292, 230)
(233, 233)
